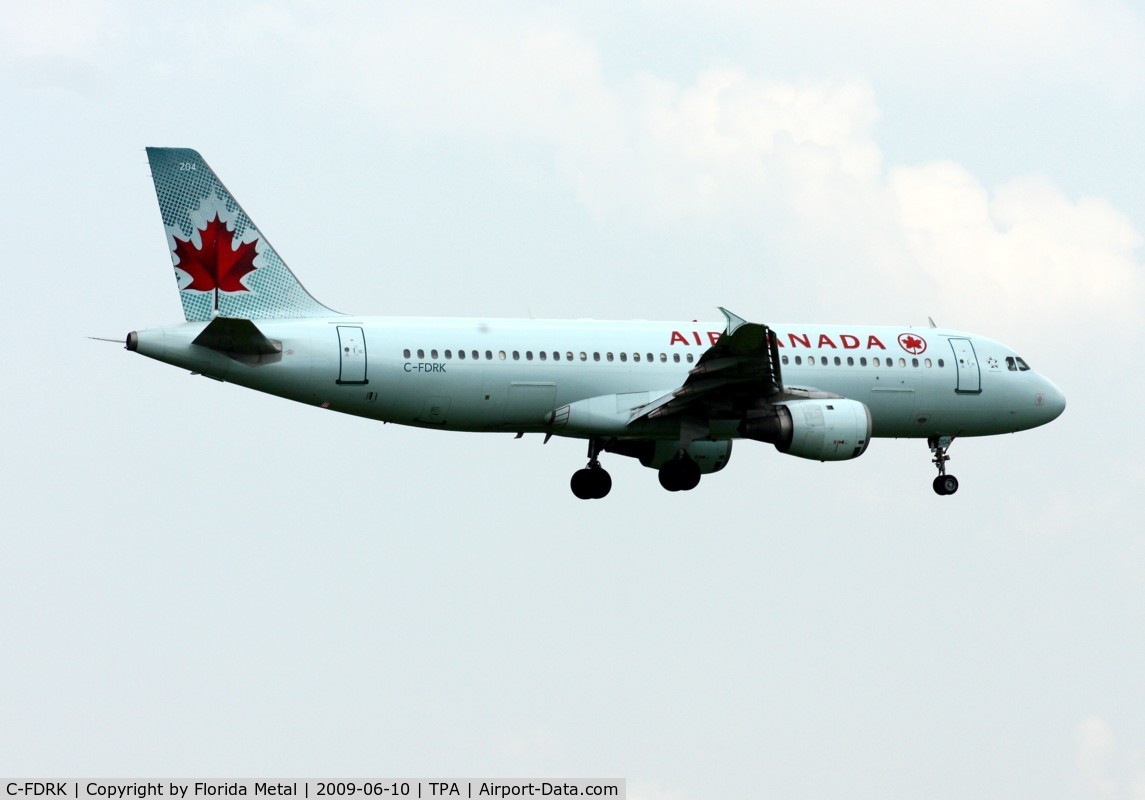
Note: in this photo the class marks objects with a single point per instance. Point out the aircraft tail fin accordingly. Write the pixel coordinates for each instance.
(224, 266)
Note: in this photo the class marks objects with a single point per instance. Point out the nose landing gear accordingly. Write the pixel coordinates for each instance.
(592, 482)
(944, 484)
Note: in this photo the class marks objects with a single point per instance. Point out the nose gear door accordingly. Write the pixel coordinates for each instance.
(966, 362)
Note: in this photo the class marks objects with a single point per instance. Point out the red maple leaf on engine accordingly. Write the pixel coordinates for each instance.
(218, 264)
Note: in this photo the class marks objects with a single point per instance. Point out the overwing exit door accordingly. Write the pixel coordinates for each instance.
(352, 355)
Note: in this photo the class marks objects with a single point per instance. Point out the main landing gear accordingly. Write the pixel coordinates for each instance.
(681, 474)
(943, 484)
(592, 482)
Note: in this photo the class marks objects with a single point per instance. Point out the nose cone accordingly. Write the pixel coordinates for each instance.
(1053, 401)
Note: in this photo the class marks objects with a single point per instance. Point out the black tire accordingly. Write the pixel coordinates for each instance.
(601, 484)
(669, 477)
(582, 484)
(949, 484)
(689, 475)
(937, 485)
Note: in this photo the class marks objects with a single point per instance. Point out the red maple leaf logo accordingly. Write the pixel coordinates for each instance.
(912, 344)
(218, 264)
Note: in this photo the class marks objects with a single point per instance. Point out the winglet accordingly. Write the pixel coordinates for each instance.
(734, 322)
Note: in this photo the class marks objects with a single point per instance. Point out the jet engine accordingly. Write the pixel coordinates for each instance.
(822, 430)
(655, 453)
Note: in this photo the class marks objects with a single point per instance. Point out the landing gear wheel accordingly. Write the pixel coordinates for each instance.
(582, 484)
(945, 484)
(601, 483)
(591, 483)
(680, 475)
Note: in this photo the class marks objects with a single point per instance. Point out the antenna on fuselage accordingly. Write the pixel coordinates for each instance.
(931, 321)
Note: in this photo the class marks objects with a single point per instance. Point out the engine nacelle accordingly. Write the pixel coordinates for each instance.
(823, 430)
(654, 453)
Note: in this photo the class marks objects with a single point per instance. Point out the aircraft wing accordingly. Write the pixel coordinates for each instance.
(740, 371)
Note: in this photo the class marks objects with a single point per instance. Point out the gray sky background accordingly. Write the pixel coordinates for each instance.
(197, 580)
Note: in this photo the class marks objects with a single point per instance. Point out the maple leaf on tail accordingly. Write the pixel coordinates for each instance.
(218, 265)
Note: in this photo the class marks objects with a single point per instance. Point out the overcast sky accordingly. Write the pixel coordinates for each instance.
(200, 581)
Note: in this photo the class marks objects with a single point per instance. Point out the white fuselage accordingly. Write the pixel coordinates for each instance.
(509, 375)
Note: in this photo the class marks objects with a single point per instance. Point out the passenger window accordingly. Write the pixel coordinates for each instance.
(862, 361)
(461, 354)
(568, 356)
(941, 363)
(649, 357)
(528, 355)
(636, 357)
(902, 362)
(689, 357)
(875, 361)
(624, 356)
(420, 353)
(914, 362)
(433, 353)
(609, 356)
(663, 358)
(476, 355)
(516, 355)
(488, 355)
(850, 361)
(783, 359)
(583, 357)
(596, 356)
(838, 361)
(928, 363)
(543, 355)
(810, 361)
(449, 354)
(501, 355)
(556, 355)
(798, 360)
(405, 353)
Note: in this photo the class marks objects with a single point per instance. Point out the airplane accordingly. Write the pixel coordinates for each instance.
(673, 395)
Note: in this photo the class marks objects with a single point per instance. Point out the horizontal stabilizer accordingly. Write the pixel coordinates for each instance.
(237, 337)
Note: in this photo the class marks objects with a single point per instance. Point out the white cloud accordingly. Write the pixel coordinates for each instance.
(54, 29)
(756, 154)
(1106, 770)
(1001, 45)
(766, 160)
(1023, 243)
(1096, 749)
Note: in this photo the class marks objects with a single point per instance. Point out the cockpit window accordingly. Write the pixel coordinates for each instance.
(1015, 364)
(1022, 365)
